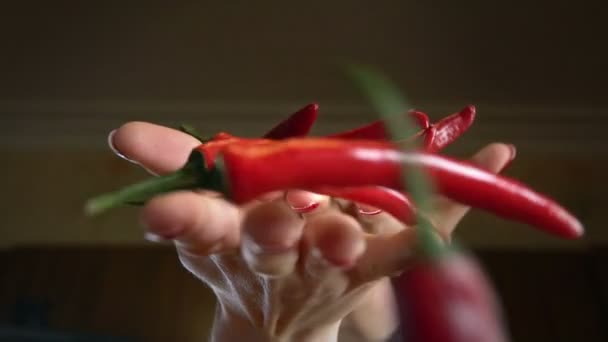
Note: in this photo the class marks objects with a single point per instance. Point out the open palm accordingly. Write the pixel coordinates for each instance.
(291, 265)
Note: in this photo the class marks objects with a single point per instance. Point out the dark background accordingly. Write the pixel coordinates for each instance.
(71, 71)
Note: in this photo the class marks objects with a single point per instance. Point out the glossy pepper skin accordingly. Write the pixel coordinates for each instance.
(448, 129)
(448, 298)
(248, 171)
(298, 124)
(377, 131)
(394, 202)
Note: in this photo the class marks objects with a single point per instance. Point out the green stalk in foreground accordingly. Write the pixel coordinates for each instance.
(390, 104)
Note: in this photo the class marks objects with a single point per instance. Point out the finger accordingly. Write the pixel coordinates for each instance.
(493, 158)
(333, 240)
(390, 254)
(377, 221)
(380, 223)
(271, 236)
(157, 148)
(380, 303)
(200, 225)
(367, 210)
(306, 202)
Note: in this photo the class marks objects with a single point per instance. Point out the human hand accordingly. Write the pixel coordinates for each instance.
(281, 269)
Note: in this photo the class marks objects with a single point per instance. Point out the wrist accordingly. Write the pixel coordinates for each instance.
(231, 326)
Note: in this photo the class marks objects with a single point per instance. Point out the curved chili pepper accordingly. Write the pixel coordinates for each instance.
(376, 129)
(210, 150)
(430, 139)
(296, 125)
(436, 136)
(450, 128)
(420, 118)
(448, 298)
(245, 171)
(394, 202)
(299, 123)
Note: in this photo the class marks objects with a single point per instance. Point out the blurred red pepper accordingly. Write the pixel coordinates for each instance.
(448, 298)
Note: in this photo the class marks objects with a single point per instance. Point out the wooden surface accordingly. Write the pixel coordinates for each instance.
(548, 296)
(72, 70)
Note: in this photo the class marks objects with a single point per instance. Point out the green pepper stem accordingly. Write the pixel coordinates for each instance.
(429, 244)
(142, 191)
(190, 130)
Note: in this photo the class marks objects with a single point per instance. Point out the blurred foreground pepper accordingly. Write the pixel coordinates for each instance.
(445, 296)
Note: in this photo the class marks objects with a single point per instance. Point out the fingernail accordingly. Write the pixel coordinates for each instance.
(270, 196)
(511, 158)
(122, 156)
(513, 151)
(365, 209)
(114, 149)
(302, 201)
(152, 237)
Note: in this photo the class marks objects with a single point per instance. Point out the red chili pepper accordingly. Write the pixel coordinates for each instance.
(250, 171)
(448, 298)
(297, 125)
(377, 131)
(430, 138)
(394, 202)
(210, 150)
(246, 171)
(450, 128)
(447, 130)
(300, 122)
